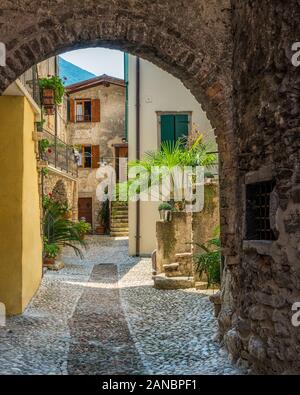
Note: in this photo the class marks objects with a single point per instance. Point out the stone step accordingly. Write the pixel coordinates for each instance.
(119, 220)
(171, 270)
(120, 208)
(119, 216)
(201, 285)
(119, 234)
(119, 225)
(119, 228)
(161, 281)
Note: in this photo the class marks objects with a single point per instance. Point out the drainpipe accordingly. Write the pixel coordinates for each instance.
(138, 153)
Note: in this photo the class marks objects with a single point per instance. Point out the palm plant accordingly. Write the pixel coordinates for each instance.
(171, 156)
(59, 231)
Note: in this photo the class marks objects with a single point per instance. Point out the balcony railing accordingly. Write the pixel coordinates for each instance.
(83, 118)
(58, 154)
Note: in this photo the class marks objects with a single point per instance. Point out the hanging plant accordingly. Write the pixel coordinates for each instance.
(45, 171)
(55, 85)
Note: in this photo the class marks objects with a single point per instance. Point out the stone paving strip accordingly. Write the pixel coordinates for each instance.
(102, 315)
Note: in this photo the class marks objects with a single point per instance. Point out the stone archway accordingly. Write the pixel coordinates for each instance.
(196, 47)
(244, 79)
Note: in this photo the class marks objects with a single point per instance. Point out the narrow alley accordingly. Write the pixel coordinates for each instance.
(102, 315)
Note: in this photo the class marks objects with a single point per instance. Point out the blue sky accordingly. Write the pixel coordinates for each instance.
(98, 61)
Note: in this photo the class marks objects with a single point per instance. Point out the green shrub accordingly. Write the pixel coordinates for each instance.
(50, 250)
(208, 262)
(58, 230)
(164, 206)
(83, 227)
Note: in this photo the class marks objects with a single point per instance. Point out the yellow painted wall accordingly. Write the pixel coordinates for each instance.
(32, 244)
(20, 240)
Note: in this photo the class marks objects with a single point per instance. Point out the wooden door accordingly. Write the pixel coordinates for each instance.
(85, 209)
(121, 163)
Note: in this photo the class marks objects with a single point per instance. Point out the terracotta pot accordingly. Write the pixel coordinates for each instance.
(49, 110)
(68, 215)
(48, 98)
(48, 261)
(100, 230)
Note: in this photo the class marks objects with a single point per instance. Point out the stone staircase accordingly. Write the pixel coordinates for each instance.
(119, 220)
(177, 275)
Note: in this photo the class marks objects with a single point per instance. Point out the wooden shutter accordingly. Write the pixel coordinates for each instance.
(95, 156)
(72, 110)
(96, 110)
(181, 126)
(167, 128)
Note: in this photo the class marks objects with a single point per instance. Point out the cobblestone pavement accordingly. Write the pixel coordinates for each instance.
(102, 315)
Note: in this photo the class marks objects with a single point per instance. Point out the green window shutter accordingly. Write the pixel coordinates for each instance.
(181, 125)
(167, 128)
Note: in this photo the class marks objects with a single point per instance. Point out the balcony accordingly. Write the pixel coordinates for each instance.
(58, 154)
(83, 118)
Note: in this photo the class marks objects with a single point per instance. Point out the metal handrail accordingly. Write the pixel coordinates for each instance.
(59, 154)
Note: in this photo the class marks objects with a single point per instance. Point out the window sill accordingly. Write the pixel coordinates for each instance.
(262, 247)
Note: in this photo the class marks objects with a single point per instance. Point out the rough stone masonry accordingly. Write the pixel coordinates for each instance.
(235, 57)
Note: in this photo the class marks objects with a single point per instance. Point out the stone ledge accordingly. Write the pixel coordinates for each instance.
(265, 173)
(262, 247)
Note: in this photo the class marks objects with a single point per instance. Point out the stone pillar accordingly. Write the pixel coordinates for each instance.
(173, 238)
(20, 238)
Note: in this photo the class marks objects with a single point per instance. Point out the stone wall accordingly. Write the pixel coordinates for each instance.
(70, 186)
(260, 290)
(173, 237)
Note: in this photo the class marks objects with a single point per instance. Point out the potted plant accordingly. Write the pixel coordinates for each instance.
(83, 228)
(52, 93)
(59, 231)
(208, 261)
(51, 252)
(165, 211)
(40, 125)
(103, 218)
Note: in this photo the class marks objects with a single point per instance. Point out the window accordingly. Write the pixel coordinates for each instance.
(83, 110)
(87, 156)
(90, 156)
(174, 126)
(258, 211)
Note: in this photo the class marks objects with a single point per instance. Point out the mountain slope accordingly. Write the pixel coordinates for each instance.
(71, 74)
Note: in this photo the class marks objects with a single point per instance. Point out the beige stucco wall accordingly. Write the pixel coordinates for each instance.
(160, 92)
(109, 131)
(20, 238)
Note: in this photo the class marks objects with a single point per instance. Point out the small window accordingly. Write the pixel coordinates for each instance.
(258, 211)
(90, 157)
(87, 156)
(83, 110)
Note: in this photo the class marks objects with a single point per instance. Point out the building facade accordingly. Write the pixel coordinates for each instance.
(97, 126)
(44, 172)
(163, 110)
